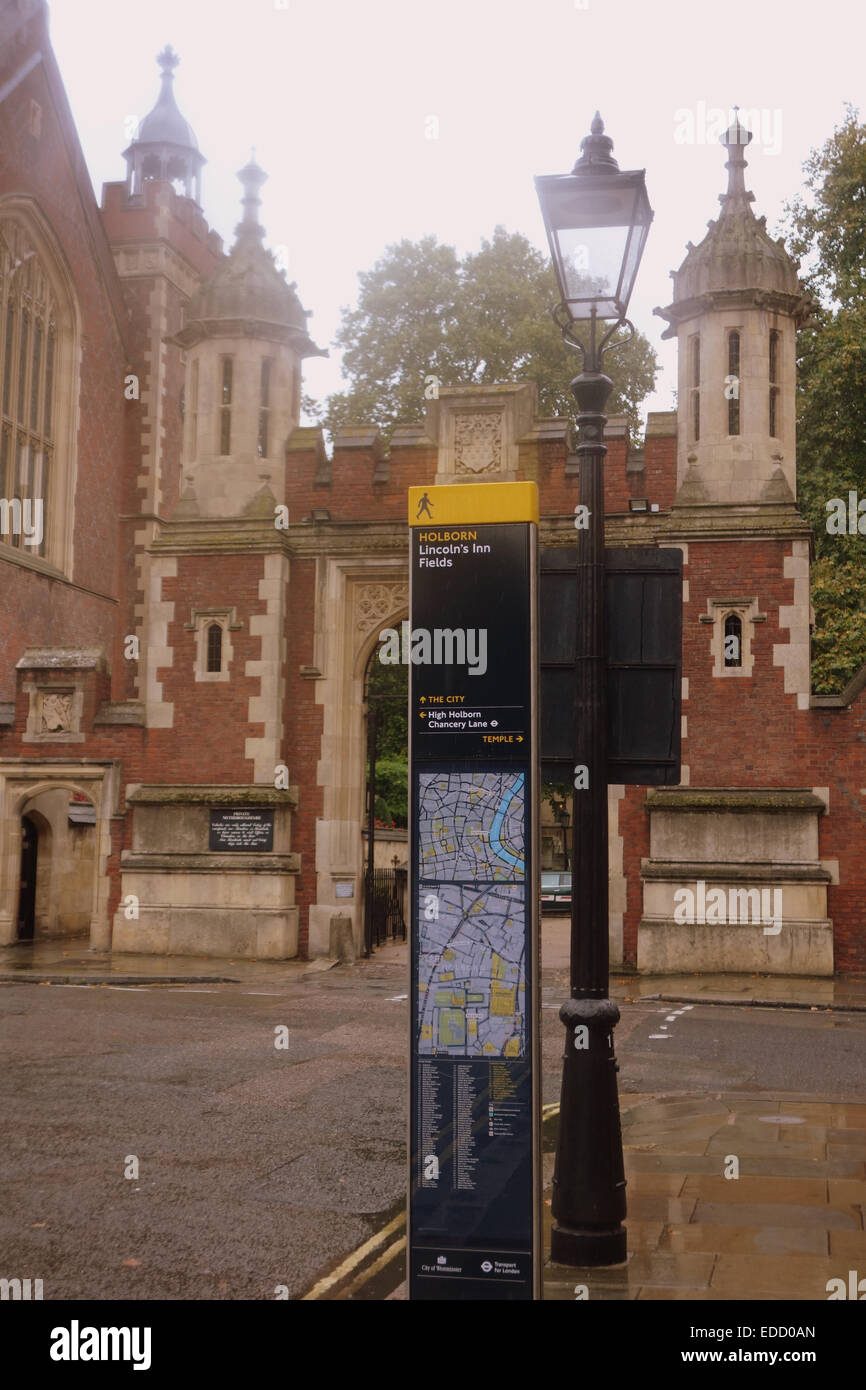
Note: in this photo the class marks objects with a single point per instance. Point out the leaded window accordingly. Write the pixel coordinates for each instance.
(734, 371)
(28, 348)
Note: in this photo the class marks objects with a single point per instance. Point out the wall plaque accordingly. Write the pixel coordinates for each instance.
(241, 829)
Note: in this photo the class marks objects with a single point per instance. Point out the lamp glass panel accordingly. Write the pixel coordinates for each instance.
(591, 260)
(632, 260)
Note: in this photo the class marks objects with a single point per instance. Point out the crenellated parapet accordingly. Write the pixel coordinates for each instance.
(474, 434)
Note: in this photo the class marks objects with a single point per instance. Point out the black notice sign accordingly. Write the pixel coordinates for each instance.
(470, 639)
(644, 587)
(242, 830)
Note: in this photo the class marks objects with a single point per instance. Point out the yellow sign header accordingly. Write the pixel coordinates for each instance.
(459, 504)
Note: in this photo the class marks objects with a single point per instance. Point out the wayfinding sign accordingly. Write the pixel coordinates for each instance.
(474, 1193)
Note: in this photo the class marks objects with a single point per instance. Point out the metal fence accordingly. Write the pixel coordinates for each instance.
(387, 920)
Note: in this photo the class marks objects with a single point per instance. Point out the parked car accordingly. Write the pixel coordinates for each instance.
(555, 891)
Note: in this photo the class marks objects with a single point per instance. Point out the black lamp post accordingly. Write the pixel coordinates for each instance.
(597, 220)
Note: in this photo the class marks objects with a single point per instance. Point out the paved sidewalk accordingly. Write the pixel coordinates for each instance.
(847, 992)
(792, 1220)
(69, 961)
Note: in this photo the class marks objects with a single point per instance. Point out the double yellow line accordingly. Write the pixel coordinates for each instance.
(395, 1228)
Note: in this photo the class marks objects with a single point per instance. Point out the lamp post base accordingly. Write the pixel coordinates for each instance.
(589, 1179)
(593, 1249)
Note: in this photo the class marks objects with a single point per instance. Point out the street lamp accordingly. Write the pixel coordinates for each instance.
(597, 220)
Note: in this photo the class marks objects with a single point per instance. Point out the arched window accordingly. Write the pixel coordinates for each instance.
(695, 392)
(38, 389)
(226, 373)
(214, 647)
(775, 338)
(733, 640)
(27, 345)
(264, 408)
(734, 371)
(193, 410)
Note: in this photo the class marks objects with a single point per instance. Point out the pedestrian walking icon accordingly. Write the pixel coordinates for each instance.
(424, 507)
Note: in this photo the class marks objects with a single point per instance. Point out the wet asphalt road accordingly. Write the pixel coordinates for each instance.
(260, 1166)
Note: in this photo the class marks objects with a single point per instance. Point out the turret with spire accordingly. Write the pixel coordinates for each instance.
(245, 336)
(165, 146)
(736, 308)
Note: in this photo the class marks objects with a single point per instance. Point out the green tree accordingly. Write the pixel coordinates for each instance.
(388, 688)
(826, 229)
(423, 312)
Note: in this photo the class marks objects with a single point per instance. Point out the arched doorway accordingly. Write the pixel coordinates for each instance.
(58, 846)
(27, 890)
(69, 807)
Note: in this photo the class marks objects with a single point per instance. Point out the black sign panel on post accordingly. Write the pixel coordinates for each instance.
(474, 1138)
(241, 830)
(644, 664)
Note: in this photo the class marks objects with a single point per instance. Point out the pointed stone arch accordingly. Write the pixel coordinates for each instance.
(21, 785)
(356, 599)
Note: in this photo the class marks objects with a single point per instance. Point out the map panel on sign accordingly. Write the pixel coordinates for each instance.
(471, 826)
(472, 914)
(471, 970)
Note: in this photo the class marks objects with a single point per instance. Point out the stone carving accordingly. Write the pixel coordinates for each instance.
(478, 442)
(55, 713)
(376, 602)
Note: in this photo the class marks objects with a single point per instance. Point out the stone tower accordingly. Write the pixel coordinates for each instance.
(245, 338)
(736, 308)
(744, 824)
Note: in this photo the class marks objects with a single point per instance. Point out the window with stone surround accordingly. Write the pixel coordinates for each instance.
(695, 384)
(732, 622)
(213, 644)
(733, 640)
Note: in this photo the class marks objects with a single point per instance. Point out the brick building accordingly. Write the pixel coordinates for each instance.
(191, 588)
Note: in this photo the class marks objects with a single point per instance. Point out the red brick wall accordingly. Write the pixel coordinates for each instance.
(158, 211)
(34, 609)
(352, 493)
(745, 731)
(211, 718)
(658, 482)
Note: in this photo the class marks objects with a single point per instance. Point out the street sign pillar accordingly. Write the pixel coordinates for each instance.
(471, 641)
